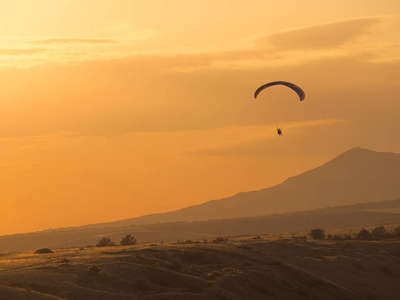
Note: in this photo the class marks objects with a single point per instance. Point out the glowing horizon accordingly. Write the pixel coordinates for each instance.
(116, 110)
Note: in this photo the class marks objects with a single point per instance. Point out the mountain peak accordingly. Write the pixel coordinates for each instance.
(359, 155)
(364, 150)
(358, 151)
(356, 176)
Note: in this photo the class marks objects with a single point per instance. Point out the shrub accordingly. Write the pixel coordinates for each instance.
(317, 234)
(379, 232)
(364, 234)
(104, 242)
(128, 240)
(347, 236)
(396, 231)
(220, 240)
(43, 251)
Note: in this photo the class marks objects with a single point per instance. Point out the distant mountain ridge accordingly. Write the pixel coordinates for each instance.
(356, 176)
(354, 216)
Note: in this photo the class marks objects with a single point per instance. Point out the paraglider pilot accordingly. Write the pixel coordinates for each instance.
(294, 87)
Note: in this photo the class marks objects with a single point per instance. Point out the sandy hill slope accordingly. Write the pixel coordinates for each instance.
(356, 176)
(235, 269)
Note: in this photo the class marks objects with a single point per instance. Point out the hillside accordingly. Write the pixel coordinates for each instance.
(237, 269)
(356, 176)
(366, 214)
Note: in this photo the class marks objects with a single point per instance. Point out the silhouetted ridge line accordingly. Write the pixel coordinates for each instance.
(356, 176)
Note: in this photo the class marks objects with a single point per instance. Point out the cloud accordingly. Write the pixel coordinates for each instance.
(297, 46)
(149, 99)
(326, 35)
(74, 41)
(292, 47)
(257, 141)
(18, 52)
(383, 54)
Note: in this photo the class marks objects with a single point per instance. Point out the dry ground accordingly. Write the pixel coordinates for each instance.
(242, 268)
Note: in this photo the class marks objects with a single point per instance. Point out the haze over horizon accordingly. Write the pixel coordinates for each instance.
(117, 109)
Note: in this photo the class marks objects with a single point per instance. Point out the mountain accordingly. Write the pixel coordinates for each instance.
(335, 220)
(356, 176)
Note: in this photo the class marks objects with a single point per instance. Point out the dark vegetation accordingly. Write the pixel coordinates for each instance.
(377, 233)
(317, 234)
(363, 234)
(220, 240)
(128, 240)
(43, 251)
(105, 242)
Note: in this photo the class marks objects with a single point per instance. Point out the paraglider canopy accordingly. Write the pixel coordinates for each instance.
(294, 87)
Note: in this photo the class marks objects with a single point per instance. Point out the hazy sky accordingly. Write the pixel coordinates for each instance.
(116, 109)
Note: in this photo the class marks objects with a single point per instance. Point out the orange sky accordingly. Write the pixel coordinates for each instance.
(115, 109)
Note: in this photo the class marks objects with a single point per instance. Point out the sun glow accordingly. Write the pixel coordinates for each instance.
(115, 109)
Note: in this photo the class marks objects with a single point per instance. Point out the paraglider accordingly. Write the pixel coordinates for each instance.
(294, 87)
